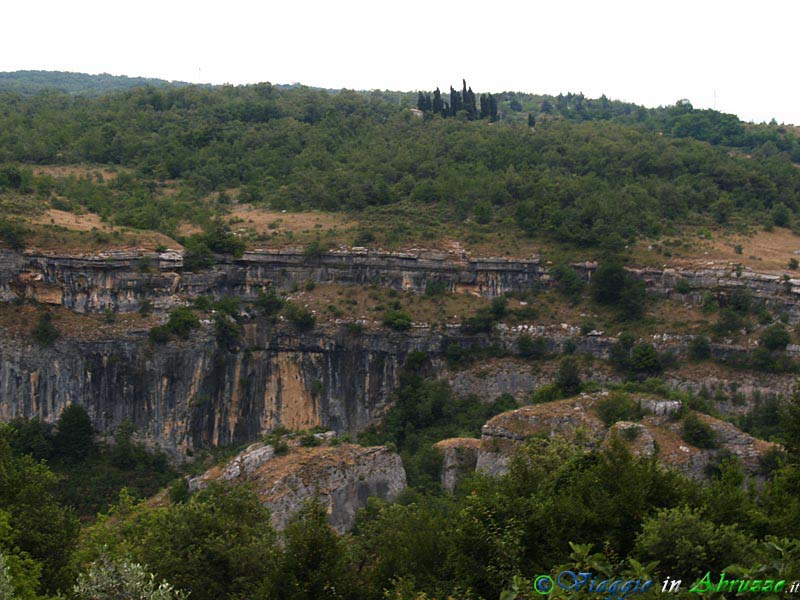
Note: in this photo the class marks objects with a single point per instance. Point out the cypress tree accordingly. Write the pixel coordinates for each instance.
(492, 108)
(472, 110)
(484, 106)
(438, 106)
(531, 120)
(421, 101)
(455, 102)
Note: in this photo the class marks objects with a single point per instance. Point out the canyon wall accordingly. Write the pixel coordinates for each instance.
(189, 394)
(122, 281)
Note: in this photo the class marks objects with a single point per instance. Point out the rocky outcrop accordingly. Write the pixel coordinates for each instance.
(459, 458)
(340, 477)
(575, 419)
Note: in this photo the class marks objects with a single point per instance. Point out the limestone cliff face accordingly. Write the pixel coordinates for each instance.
(340, 477)
(190, 394)
(122, 281)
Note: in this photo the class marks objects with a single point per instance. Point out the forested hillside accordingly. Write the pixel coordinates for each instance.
(74, 84)
(137, 339)
(602, 173)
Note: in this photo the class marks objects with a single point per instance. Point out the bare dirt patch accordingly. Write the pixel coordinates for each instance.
(20, 321)
(71, 221)
(267, 221)
(107, 173)
(765, 251)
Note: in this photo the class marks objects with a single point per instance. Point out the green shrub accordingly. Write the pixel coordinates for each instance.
(435, 288)
(197, 255)
(531, 348)
(182, 321)
(227, 331)
(309, 441)
(618, 407)
(159, 334)
(315, 249)
(568, 378)
(613, 285)
(728, 322)
(300, 317)
(219, 238)
(775, 337)
(568, 282)
(396, 319)
(644, 359)
(780, 215)
(498, 307)
(683, 287)
(145, 308)
(354, 328)
(546, 393)
(684, 542)
(698, 433)
(699, 348)
(13, 234)
(482, 322)
(45, 332)
(741, 300)
(269, 302)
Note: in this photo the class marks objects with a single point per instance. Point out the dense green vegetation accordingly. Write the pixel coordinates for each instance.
(580, 171)
(559, 505)
(587, 181)
(78, 84)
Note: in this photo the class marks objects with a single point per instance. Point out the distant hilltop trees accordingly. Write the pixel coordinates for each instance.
(433, 103)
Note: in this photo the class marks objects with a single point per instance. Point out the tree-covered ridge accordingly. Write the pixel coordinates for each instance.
(77, 84)
(580, 182)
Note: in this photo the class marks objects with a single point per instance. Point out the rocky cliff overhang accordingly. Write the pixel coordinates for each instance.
(122, 281)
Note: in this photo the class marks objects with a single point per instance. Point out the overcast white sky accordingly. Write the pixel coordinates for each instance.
(647, 52)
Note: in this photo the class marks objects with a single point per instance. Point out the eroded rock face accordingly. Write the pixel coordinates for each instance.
(190, 394)
(121, 281)
(340, 477)
(459, 458)
(575, 419)
(571, 419)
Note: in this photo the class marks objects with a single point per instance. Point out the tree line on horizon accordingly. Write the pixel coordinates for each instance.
(465, 100)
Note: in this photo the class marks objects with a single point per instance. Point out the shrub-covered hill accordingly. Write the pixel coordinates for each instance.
(583, 182)
(82, 84)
